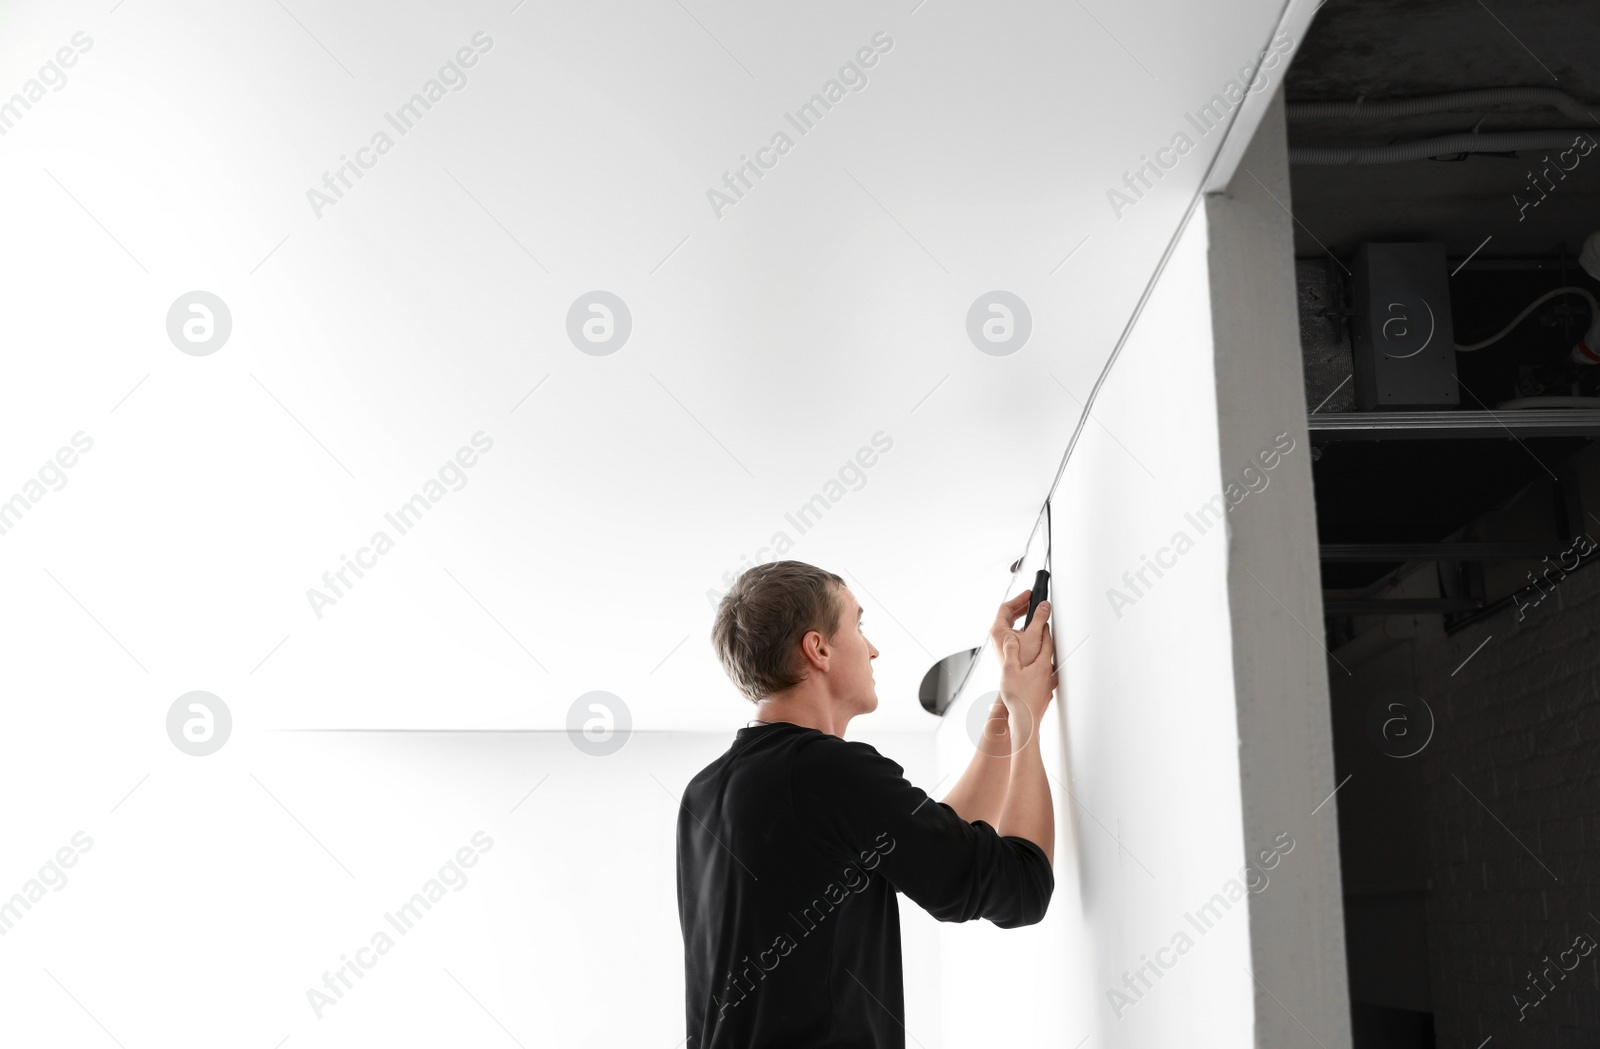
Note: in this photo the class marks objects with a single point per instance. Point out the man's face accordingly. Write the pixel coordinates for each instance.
(853, 656)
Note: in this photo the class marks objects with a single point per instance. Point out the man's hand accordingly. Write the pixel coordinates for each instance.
(1004, 619)
(984, 787)
(1026, 689)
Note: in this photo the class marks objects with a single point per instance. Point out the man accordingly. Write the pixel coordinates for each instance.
(792, 845)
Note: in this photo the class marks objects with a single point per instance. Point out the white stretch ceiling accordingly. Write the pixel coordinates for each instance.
(376, 329)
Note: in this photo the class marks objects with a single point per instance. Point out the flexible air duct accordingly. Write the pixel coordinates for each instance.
(1494, 142)
(1475, 99)
(1443, 145)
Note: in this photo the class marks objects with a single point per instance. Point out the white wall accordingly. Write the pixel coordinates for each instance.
(293, 846)
(1194, 731)
(1148, 804)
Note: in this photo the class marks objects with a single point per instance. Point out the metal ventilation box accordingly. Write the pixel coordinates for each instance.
(1402, 346)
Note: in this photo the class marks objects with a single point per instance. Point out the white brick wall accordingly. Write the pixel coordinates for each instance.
(1520, 726)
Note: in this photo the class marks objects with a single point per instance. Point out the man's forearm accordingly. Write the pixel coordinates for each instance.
(981, 790)
(1028, 811)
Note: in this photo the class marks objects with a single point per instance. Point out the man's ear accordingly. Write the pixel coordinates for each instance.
(815, 652)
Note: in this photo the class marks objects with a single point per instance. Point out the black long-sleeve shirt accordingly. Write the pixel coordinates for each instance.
(791, 847)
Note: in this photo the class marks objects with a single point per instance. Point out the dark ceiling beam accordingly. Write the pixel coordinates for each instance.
(1502, 551)
(1451, 425)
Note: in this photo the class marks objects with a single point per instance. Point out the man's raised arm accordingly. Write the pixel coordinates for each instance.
(1026, 691)
(980, 793)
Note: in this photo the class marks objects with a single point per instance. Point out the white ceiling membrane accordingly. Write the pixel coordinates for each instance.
(438, 365)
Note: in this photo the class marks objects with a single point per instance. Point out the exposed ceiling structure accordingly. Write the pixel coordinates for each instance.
(1511, 222)
(1386, 49)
